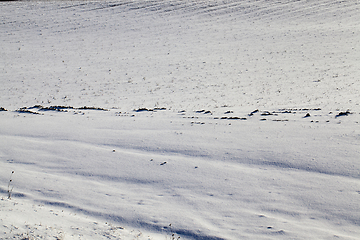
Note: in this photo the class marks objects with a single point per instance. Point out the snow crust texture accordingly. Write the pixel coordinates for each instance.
(179, 119)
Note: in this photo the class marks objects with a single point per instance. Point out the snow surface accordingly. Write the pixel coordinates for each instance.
(193, 119)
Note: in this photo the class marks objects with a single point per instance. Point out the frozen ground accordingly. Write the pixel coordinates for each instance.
(225, 119)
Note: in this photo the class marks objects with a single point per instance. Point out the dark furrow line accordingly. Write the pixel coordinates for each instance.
(290, 10)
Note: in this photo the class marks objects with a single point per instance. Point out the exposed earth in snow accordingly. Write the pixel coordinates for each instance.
(180, 119)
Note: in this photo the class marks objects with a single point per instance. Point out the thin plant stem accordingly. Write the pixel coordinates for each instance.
(9, 185)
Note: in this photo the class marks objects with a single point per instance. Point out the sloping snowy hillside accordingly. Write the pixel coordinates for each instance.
(192, 119)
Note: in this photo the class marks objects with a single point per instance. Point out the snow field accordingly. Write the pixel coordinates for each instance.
(227, 120)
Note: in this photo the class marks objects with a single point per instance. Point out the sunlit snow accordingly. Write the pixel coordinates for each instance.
(173, 119)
